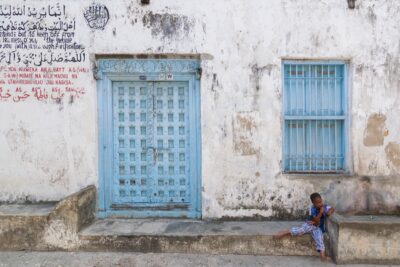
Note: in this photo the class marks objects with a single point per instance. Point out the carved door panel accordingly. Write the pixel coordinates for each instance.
(149, 138)
(151, 145)
(171, 139)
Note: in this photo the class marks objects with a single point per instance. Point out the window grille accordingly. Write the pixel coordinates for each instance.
(314, 117)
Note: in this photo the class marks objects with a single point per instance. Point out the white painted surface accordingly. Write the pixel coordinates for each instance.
(49, 150)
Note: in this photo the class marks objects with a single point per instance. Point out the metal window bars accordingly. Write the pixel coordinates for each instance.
(314, 117)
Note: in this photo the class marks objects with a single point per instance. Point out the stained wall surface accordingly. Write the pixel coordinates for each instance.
(48, 106)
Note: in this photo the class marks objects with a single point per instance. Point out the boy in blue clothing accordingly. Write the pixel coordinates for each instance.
(315, 224)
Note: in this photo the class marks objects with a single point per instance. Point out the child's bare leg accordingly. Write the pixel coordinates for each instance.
(323, 257)
(281, 234)
(318, 237)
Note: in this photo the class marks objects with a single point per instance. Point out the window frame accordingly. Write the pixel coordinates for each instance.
(346, 124)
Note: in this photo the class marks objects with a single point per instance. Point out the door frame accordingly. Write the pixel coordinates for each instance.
(151, 70)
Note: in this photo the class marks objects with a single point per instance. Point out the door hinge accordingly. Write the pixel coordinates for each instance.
(199, 73)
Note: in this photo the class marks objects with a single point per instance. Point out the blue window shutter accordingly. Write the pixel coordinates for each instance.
(314, 117)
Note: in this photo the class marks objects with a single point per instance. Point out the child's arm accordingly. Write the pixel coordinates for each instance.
(310, 217)
(313, 221)
(317, 219)
(330, 211)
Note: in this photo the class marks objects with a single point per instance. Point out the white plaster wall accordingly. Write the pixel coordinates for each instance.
(50, 150)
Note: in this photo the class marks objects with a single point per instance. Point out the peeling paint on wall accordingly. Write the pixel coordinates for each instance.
(393, 154)
(244, 128)
(375, 130)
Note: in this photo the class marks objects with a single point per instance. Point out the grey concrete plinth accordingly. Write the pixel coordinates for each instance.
(190, 236)
(365, 239)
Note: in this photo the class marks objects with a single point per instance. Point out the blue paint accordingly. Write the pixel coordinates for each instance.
(314, 116)
(149, 139)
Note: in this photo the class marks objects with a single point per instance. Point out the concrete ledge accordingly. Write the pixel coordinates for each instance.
(365, 239)
(77, 210)
(189, 236)
(23, 226)
(47, 226)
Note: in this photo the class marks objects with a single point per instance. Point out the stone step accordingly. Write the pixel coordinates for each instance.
(21, 226)
(47, 226)
(193, 236)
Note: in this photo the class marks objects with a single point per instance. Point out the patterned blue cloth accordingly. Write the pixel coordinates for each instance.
(313, 212)
(316, 234)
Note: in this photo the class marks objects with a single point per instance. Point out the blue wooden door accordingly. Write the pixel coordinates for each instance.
(171, 142)
(153, 170)
(132, 136)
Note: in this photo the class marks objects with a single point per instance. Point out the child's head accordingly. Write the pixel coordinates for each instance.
(316, 199)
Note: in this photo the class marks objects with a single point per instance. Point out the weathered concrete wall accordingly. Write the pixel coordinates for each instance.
(49, 148)
(365, 239)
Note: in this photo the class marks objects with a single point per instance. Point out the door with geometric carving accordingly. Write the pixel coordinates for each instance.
(149, 138)
(151, 144)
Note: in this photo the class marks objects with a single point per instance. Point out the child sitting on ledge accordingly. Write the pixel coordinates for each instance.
(315, 224)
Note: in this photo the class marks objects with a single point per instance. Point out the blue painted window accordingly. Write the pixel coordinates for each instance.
(314, 117)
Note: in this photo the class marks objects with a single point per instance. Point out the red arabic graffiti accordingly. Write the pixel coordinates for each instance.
(40, 94)
(46, 84)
